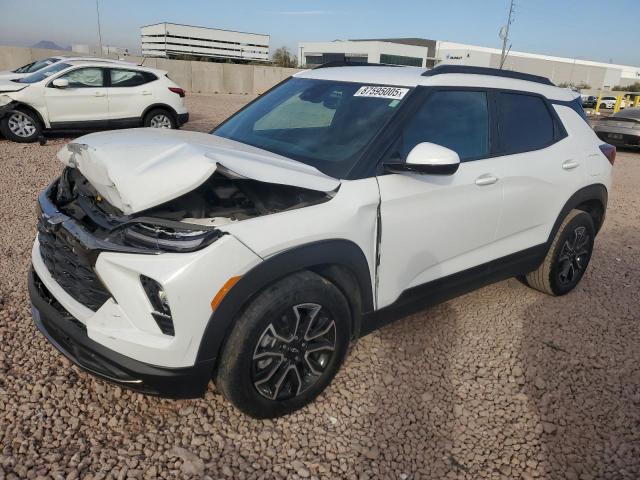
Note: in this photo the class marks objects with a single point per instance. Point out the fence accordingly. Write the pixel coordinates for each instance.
(197, 77)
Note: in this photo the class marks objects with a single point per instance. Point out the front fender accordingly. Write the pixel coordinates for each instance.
(326, 252)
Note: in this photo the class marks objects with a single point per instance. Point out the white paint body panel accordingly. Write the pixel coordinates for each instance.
(435, 225)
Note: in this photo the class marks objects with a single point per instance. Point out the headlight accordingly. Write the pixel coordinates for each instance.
(637, 126)
(170, 238)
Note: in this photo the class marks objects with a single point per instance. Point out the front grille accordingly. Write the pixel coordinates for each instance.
(69, 266)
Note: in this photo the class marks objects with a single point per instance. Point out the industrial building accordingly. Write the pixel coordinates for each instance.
(171, 40)
(428, 53)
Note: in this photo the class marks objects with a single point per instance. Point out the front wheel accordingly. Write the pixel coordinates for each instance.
(286, 346)
(160, 118)
(568, 256)
(21, 126)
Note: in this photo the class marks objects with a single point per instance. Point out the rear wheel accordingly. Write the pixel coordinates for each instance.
(159, 118)
(568, 257)
(285, 347)
(21, 126)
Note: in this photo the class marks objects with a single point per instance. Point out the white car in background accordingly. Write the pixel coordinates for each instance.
(38, 65)
(608, 102)
(82, 95)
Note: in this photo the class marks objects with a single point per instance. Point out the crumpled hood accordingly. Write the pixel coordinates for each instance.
(140, 168)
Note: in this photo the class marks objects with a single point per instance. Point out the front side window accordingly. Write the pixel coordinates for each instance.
(458, 120)
(524, 123)
(89, 77)
(129, 78)
(323, 123)
(44, 73)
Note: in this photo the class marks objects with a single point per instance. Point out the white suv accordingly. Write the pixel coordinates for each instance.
(82, 95)
(255, 254)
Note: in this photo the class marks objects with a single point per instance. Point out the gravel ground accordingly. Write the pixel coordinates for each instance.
(504, 382)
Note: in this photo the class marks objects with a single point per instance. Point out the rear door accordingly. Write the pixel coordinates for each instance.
(437, 225)
(540, 167)
(130, 93)
(84, 100)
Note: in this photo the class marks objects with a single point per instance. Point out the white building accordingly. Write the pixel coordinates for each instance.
(427, 53)
(172, 40)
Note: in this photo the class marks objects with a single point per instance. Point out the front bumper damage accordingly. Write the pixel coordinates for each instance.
(70, 337)
(88, 301)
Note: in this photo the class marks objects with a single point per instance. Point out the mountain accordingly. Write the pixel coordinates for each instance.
(50, 45)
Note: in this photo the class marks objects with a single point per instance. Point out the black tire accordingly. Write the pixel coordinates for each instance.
(265, 376)
(567, 258)
(160, 118)
(21, 125)
(602, 105)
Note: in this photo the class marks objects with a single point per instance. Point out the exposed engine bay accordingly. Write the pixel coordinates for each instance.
(184, 220)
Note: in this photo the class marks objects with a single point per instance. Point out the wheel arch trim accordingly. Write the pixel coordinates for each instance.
(162, 106)
(326, 252)
(596, 192)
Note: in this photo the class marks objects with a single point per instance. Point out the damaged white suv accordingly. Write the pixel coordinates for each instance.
(255, 254)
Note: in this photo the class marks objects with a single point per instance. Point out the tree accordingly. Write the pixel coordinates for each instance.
(577, 86)
(282, 57)
(634, 87)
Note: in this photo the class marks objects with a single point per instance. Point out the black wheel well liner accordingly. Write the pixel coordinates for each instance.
(340, 261)
(591, 199)
(161, 106)
(15, 105)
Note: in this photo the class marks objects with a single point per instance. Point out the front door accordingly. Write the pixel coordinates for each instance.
(436, 225)
(84, 100)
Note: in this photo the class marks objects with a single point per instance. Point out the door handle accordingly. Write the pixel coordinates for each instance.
(100, 94)
(570, 164)
(486, 179)
(146, 92)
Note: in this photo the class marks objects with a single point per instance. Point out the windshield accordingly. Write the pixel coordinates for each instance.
(45, 73)
(322, 123)
(35, 66)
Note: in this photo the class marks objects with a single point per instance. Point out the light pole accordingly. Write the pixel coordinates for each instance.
(99, 30)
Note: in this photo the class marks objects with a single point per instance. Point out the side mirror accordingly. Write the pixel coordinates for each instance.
(60, 83)
(429, 159)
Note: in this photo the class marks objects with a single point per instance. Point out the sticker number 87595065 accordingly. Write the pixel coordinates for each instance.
(381, 92)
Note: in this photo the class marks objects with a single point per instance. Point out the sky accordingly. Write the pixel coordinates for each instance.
(569, 28)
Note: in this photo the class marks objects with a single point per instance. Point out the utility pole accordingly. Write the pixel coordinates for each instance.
(99, 31)
(504, 35)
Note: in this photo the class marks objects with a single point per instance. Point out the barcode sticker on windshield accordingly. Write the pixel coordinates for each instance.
(394, 93)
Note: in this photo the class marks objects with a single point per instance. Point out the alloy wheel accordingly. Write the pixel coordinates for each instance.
(21, 125)
(160, 121)
(574, 256)
(293, 352)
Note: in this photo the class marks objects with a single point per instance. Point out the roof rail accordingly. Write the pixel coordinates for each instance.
(442, 69)
(344, 63)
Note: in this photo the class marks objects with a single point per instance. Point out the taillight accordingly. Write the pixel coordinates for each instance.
(177, 90)
(609, 151)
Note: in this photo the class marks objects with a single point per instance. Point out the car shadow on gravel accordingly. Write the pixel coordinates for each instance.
(410, 397)
(581, 358)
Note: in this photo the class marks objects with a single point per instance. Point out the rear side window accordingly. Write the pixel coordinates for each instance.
(130, 78)
(524, 123)
(458, 120)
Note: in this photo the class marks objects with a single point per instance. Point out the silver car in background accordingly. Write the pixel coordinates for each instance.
(621, 129)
